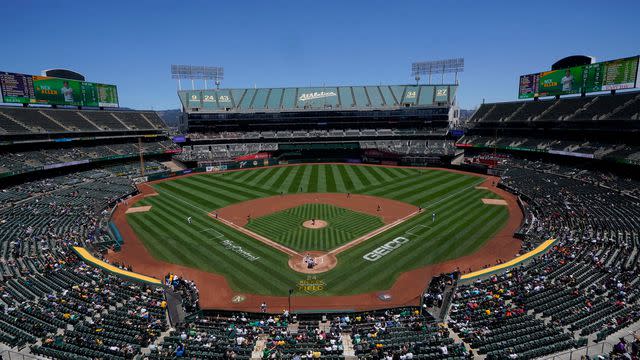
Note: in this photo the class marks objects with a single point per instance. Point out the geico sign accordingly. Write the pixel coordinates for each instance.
(385, 249)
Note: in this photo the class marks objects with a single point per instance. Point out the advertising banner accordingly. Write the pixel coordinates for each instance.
(256, 156)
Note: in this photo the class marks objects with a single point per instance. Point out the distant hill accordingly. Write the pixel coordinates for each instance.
(170, 117)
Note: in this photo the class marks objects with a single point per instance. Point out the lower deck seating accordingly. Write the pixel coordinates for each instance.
(586, 284)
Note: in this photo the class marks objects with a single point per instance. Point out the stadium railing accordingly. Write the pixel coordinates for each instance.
(588, 351)
(12, 355)
(602, 348)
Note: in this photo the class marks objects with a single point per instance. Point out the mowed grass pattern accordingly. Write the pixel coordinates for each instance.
(463, 223)
(285, 227)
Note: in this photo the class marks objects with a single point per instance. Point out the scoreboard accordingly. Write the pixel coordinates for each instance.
(16, 87)
(603, 76)
(33, 89)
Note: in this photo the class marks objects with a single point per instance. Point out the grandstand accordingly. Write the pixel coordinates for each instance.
(20, 121)
(406, 121)
(600, 127)
(40, 140)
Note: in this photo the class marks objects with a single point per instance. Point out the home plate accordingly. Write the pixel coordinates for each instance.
(138, 209)
(494, 202)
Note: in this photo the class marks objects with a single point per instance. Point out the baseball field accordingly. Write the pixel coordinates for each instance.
(365, 225)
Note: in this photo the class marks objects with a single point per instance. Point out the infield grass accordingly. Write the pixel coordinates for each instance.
(285, 227)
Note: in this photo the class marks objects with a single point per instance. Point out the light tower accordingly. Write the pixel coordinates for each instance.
(193, 72)
(441, 67)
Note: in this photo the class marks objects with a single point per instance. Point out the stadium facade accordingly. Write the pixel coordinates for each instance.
(416, 117)
(316, 106)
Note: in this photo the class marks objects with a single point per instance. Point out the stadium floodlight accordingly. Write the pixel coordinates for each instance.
(441, 67)
(194, 72)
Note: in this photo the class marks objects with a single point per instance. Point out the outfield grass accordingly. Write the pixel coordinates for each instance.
(463, 223)
(285, 227)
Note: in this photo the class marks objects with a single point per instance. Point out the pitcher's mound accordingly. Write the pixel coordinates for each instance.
(315, 224)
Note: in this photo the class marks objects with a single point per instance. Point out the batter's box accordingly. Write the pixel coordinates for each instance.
(416, 229)
(216, 234)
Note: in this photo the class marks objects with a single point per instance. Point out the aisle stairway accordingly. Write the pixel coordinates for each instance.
(458, 339)
(158, 341)
(324, 326)
(347, 343)
(292, 328)
(259, 348)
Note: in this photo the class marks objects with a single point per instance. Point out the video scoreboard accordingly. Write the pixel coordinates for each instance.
(33, 89)
(603, 76)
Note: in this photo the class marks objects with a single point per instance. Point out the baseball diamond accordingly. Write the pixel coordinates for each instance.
(464, 224)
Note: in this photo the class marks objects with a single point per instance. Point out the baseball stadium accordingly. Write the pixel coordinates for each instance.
(335, 222)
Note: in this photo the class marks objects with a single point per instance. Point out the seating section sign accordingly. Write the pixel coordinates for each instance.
(33, 89)
(603, 76)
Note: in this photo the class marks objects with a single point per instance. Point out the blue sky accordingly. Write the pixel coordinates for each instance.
(298, 43)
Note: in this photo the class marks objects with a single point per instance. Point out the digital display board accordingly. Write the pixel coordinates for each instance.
(603, 76)
(33, 89)
(179, 139)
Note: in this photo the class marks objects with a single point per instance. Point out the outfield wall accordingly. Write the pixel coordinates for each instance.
(248, 164)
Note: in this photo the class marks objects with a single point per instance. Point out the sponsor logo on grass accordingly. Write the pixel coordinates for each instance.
(311, 285)
(238, 299)
(383, 250)
(230, 245)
